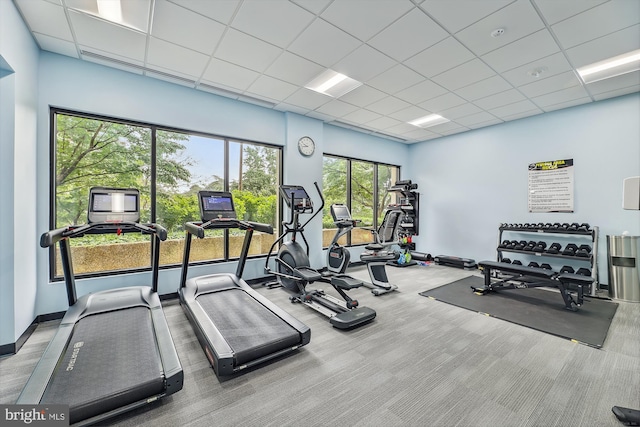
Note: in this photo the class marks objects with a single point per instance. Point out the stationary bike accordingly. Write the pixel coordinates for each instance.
(376, 256)
(294, 272)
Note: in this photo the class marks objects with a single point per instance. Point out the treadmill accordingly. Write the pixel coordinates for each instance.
(237, 327)
(112, 351)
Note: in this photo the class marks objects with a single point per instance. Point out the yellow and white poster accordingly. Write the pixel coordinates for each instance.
(551, 186)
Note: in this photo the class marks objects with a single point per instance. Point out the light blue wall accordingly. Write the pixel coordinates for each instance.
(18, 239)
(472, 182)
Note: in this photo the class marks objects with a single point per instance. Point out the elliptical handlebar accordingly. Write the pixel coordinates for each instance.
(317, 210)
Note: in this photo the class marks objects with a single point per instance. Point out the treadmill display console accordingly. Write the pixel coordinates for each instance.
(299, 195)
(113, 205)
(216, 204)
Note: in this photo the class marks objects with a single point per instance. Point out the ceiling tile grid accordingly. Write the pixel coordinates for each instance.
(476, 63)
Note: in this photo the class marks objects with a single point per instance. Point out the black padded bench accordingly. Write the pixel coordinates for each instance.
(521, 277)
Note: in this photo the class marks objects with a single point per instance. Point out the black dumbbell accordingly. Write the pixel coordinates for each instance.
(540, 225)
(567, 269)
(584, 272)
(548, 226)
(584, 251)
(556, 226)
(573, 227)
(516, 262)
(564, 226)
(554, 248)
(504, 244)
(540, 247)
(584, 227)
(519, 246)
(570, 249)
(546, 266)
(530, 246)
(506, 260)
(533, 264)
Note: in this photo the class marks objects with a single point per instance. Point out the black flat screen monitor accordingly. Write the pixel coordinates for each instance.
(216, 204)
(113, 205)
(340, 212)
(299, 194)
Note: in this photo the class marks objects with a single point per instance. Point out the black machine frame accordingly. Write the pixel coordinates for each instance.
(296, 274)
(223, 358)
(94, 305)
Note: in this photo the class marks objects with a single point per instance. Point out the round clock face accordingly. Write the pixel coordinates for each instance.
(306, 146)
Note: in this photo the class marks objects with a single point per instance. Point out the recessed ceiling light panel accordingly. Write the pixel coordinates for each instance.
(612, 67)
(430, 120)
(333, 84)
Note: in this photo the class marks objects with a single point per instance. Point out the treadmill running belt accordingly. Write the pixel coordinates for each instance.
(111, 360)
(250, 329)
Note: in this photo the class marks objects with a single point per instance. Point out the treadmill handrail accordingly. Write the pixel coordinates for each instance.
(197, 227)
(50, 238)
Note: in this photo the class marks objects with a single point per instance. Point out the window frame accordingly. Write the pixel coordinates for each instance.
(153, 129)
(376, 200)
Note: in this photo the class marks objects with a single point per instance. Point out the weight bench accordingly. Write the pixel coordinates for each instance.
(521, 277)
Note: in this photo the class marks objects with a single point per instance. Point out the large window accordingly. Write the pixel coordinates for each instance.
(169, 167)
(362, 186)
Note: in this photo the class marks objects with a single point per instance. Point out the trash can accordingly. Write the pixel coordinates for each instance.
(624, 267)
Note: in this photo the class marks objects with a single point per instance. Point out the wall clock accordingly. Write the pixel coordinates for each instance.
(306, 146)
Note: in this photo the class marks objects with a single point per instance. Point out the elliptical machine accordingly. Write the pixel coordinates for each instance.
(375, 257)
(294, 272)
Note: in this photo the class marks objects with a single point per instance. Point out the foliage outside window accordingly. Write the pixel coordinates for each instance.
(362, 186)
(93, 151)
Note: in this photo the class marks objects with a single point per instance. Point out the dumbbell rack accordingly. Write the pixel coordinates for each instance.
(592, 233)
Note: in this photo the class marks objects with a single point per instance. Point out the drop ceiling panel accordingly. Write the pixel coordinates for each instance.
(383, 123)
(395, 79)
(597, 22)
(221, 11)
(363, 96)
(464, 75)
(454, 16)
(364, 63)
(443, 102)
(307, 98)
(484, 88)
(272, 88)
(359, 19)
(388, 105)
(260, 18)
(173, 57)
(361, 116)
(547, 66)
(294, 69)
(323, 43)
(523, 51)
(474, 119)
(518, 20)
(247, 51)
(46, 18)
(410, 113)
(98, 34)
(183, 27)
(441, 57)
(420, 92)
(409, 35)
(460, 111)
(516, 109)
(566, 104)
(53, 44)
(499, 99)
(224, 73)
(564, 95)
(551, 84)
(555, 11)
(618, 92)
(313, 6)
(336, 108)
(613, 44)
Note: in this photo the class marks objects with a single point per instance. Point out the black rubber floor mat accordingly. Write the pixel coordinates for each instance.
(538, 309)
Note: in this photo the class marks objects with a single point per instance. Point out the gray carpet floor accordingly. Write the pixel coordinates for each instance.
(420, 363)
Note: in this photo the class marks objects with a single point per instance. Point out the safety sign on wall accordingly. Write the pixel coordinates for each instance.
(551, 186)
